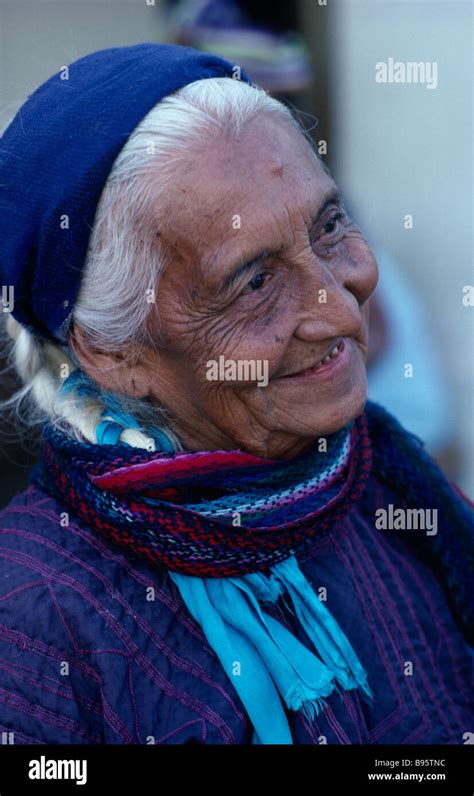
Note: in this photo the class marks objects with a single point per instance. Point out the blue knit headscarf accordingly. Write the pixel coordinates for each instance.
(55, 158)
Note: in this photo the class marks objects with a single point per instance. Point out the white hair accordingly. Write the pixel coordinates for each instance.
(115, 296)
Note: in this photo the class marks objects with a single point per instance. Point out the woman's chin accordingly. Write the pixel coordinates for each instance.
(331, 413)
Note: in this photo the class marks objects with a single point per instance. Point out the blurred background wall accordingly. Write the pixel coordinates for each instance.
(405, 149)
(393, 149)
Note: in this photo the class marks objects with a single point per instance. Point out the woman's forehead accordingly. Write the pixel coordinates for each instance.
(231, 188)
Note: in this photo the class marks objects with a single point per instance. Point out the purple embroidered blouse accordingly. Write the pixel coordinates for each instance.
(98, 648)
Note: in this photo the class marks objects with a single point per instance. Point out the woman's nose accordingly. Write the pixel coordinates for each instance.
(355, 268)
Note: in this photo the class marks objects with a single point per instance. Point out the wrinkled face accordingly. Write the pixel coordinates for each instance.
(265, 268)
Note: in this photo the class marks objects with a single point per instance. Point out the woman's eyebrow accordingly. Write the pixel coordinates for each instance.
(333, 198)
(243, 268)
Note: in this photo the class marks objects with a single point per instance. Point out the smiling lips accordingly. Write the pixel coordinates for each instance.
(334, 354)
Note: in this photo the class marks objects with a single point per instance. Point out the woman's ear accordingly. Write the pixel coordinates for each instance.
(114, 371)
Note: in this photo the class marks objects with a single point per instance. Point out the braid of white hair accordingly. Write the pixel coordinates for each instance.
(43, 367)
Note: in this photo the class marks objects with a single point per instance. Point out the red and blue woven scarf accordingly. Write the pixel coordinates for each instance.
(208, 514)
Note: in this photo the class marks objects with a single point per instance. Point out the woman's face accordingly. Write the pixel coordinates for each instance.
(264, 198)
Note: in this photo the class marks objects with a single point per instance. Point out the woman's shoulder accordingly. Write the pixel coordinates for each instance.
(51, 563)
(34, 524)
(97, 646)
(47, 693)
(401, 461)
(31, 525)
(426, 500)
(32, 502)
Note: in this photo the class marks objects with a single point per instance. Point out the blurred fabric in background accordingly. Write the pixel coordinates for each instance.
(395, 150)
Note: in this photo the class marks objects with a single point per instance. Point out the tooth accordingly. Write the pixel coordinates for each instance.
(326, 359)
(334, 350)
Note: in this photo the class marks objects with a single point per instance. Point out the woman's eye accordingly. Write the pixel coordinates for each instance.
(257, 282)
(331, 225)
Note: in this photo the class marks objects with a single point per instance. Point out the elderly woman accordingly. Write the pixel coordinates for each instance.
(221, 543)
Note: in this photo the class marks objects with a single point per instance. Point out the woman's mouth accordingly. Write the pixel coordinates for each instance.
(327, 367)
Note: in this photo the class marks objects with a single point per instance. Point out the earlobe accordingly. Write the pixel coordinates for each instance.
(82, 350)
(113, 371)
(139, 383)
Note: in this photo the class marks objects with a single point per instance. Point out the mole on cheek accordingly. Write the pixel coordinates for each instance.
(276, 170)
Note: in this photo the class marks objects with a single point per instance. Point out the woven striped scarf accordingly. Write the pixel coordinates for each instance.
(208, 514)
